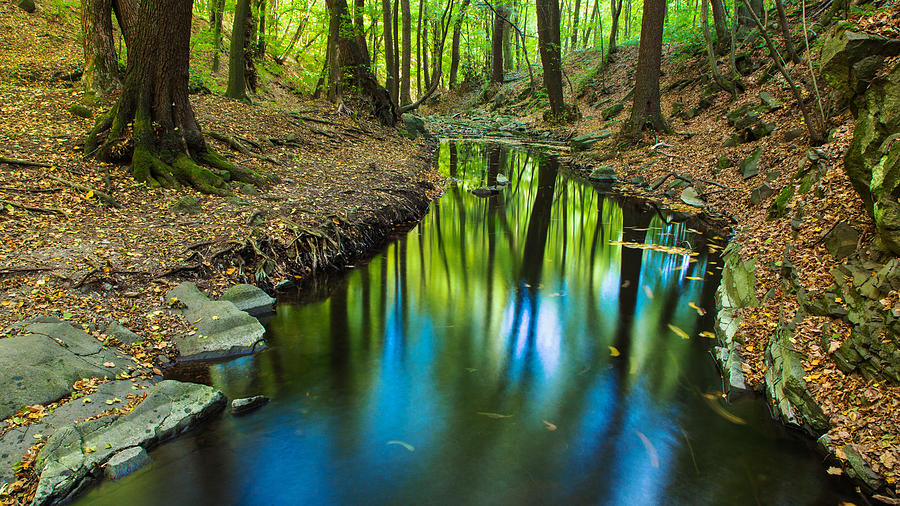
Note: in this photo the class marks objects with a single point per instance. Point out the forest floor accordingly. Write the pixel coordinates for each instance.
(862, 412)
(66, 253)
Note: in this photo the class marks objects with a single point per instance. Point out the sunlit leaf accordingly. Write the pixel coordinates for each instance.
(693, 278)
(680, 333)
(550, 426)
(613, 351)
(700, 311)
(492, 415)
(648, 292)
(651, 450)
(708, 334)
(403, 444)
(713, 403)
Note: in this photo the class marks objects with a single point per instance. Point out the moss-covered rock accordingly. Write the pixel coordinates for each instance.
(850, 59)
(26, 5)
(80, 111)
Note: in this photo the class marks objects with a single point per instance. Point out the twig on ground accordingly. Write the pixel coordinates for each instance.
(105, 197)
(26, 163)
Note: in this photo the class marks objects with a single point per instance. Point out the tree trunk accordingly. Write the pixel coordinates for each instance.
(426, 74)
(355, 72)
(721, 25)
(497, 47)
(549, 42)
(218, 13)
(101, 69)
(745, 18)
(575, 25)
(724, 83)
(646, 108)
(358, 7)
(507, 40)
(389, 60)
(396, 32)
(419, 51)
(407, 52)
(615, 11)
(786, 31)
(236, 77)
(261, 32)
(152, 122)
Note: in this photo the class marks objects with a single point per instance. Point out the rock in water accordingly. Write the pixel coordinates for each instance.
(249, 298)
(690, 197)
(126, 462)
(487, 191)
(604, 174)
(502, 180)
(222, 330)
(248, 404)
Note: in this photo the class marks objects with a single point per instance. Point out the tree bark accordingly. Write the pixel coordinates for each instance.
(454, 53)
(549, 42)
(497, 46)
(218, 11)
(358, 7)
(615, 11)
(101, 69)
(646, 106)
(575, 24)
(355, 72)
(261, 32)
(786, 31)
(407, 52)
(724, 83)
(236, 70)
(152, 123)
(720, 24)
(396, 32)
(389, 60)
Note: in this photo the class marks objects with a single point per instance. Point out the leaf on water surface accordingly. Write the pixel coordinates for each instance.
(693, 278)
(492, 415)
(834, 471)
(651, 450)
(403, 444)
(471, 369)
(648, 292)
(708, 334)
(613, 351)
(715, 406)
(700, 311)
(680, 333)
(550, 426)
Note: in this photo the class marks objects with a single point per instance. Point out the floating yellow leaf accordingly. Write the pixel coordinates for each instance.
(89, 194)
(680, 333)
(230, 271)
(700, 311)
(715, 406)
(550, 426)
(613, 351)
(403, 444)
(693, 278)
(708, 334)
(492, 415)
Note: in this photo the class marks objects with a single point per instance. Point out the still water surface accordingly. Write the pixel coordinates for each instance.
(507, 350)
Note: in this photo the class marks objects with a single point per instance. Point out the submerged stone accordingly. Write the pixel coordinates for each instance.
(248, 404)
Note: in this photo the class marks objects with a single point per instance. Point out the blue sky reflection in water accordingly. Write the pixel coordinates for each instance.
(507, 350)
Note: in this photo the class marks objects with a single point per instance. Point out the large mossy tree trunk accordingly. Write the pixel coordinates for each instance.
(152, 123)
(101, 70)
(646, 107)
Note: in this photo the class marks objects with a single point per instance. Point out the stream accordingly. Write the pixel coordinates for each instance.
(545, 345)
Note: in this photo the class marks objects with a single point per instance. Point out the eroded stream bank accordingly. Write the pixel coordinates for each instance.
(547, 342)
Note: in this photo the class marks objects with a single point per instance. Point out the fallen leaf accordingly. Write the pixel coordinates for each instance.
(680, 333)
(700, 311)
(108, 364)
(492, 415)
(403, 444)
(834, 471)
(549, 425)
(651, 450)
(708, 334)
(613, 351)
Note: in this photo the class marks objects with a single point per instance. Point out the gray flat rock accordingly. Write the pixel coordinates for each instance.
(74, 454)
(122, 333)
(222, 330)
(15, 442)
(126, 462)
(249, 298)
(41, 367)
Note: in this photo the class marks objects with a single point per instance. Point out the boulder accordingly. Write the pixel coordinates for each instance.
(248, 404)
(769, 102)
(414, 126)
(74, 453)
(120, 332)
(750, 165)
(761, 193)
(249, 298)
(604, 174)
(487, 191)
(80, 111)
(690, 197)
(842, 240)
(586, 141)
(125, 462)
(187, 205)
(26, 5)
(42, 366)
(850, 59)
(612, 111)
(222, 330)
